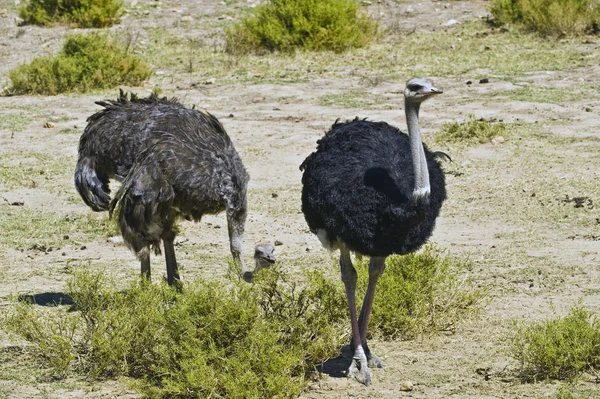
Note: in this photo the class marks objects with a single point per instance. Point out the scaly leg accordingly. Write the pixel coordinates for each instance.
(145, 263)
(376, 268)
(359, 368)
(172, 273)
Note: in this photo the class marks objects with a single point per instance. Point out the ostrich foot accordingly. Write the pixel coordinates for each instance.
(360, 371)
(374, 362)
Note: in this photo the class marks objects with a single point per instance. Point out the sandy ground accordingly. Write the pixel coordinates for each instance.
(532, 267)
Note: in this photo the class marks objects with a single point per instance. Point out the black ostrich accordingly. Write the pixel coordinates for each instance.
(373, 190)
(173, 162)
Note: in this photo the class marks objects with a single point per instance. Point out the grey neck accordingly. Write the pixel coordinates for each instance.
(422, 188)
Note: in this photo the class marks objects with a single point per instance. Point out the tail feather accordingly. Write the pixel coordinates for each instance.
(92, 185)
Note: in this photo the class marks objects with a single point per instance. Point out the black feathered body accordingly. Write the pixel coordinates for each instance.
(358, 185)
(173, 162)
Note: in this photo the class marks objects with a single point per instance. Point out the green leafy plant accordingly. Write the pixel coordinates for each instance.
(420, 293)
(562, 348)
(286, 25)
(82, 13)
(470, 131)
(86, 62)
(549, 17)
(235, 340)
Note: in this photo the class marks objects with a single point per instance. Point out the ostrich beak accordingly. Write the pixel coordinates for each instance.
(429, 91)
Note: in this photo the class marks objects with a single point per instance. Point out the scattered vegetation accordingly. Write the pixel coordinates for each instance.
(470, 131)
(82, 13)
(420, 293)
(557, 349)
(86, 62)
(287, 25)
(549, 17)
(239, 341)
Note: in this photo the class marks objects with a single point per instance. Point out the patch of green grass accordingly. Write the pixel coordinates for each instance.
(470, 131)
(24, 228)
(350, 99)
(287, 25)
(565, 393)
(420, 293)
(549, 17)
(224, 340)
(561, 348)
(82, 13)
(14, 121)
(86, 62)
(552, 95)
(35, 170)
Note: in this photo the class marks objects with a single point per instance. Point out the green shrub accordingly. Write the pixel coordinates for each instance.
(470, 131)
(419, 293)
(549, 17)
(556, 349)
(286, 25)
(211, 340)
(85, 62)
(83, 13)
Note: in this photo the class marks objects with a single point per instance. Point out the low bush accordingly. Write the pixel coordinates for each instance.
(211, 340)
(562, 348)
(86, 62)
(549, 17)
(82, 13)
(470, 131)
(420, 293)
(286, 25)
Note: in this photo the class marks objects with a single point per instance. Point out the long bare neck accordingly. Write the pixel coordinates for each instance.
(422, 188)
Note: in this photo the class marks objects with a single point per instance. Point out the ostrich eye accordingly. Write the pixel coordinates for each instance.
(414, 87)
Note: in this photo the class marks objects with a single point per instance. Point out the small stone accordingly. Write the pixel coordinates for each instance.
(210, 81)
(469, 82)
(4, 13)
(274, 195)
(146, 12)
(278, 243)
(406, 386)
(66, 237)
(484, 80)
(450, 22)
(588, 109)
(83, 247)
(409, 10)
(186, 18)
(115, 239)
(48, 125)
(19, 21)
(498, 140)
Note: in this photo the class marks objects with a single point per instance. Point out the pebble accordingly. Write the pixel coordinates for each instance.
(48, 125)
(19, 21)
(4, 13)
(498, 140)
(409, 10)
(187, 18)
(450, 22)
(407, 386)
(115, 239)
(278, 243)
(484, 80)
(210, 81)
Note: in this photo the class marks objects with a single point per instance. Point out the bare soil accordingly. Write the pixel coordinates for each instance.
(533, 265)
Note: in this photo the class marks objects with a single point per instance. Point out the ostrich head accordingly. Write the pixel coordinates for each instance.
(263, 258)
(418, 90)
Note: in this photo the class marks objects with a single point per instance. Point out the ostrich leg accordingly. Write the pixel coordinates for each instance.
(359, 368)
(376, 269)
(172, 273)
(145, 263)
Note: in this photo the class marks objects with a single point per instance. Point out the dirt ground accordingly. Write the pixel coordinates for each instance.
(510, 207)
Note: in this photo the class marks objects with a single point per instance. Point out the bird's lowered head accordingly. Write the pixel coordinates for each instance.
(263, 258)
(419, 89)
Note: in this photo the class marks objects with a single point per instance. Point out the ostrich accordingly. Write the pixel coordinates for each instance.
(375, 191)
(173, 162)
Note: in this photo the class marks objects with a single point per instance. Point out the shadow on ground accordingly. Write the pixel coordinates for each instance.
(338, 366)
(47, 299)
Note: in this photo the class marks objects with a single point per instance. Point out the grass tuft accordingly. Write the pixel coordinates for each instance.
(557, 349)
(82, 13)
(470, 131)
(85, 62)
(549, 17)
(419, 294)
(287, 25)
